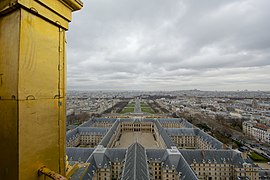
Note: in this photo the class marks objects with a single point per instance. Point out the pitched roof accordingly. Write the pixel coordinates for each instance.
(135, 167)
(76, 154)
(172, 158)
(216, 144)
(215, 156)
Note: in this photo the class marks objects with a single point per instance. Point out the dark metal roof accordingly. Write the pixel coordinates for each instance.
(135, 167)
(102, 158)
(106, 139)
(215, 156)
(181, 121)
(92, 121)
(172, 158)
(216, 144)
(86, 131)
(79, 154)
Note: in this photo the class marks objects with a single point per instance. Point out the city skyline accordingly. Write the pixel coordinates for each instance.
(169, 45)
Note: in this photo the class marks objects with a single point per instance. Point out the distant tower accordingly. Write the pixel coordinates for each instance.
(254, 103)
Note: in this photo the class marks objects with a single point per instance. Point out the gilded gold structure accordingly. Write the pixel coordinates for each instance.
(33, 86)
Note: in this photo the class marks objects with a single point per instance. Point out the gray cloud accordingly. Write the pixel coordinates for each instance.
(169, 45)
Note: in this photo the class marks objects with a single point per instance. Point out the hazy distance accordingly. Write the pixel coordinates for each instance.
(170, 45)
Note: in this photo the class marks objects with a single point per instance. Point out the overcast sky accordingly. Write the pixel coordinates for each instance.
(170, 45)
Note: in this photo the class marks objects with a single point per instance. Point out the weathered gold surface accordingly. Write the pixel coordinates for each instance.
(49, 173)
(9, 139)
(39, 137)
(9, 55)
(32, 86)
(55, 11)
(39, 58)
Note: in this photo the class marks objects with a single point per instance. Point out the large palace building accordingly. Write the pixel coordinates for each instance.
(144, 148)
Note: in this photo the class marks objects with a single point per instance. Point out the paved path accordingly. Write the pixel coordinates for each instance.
(137, 108)
(145, 139)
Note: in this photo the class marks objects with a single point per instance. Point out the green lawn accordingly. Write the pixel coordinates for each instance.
(257, 158)
(147, 110)
(143, 104)
(130, 105)
(127, 110)
(144, 107)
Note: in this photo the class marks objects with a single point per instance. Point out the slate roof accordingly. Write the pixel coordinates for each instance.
(102, 158)
(71, 134)
(135, 167)
(106, 139)
(155, 154)
(187, 172)
(216, 144)
(215, 156)
(87, 123)
(92, 121)
(74, 154)
(213, 141)
(92, 130)
(264, 174)
(167, 140)
(172, 159)
(86, 130)
(181, 121)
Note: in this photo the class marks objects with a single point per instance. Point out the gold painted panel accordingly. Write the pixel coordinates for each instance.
(39, 60)
(39, 137)
(9, 139)
(9, 54)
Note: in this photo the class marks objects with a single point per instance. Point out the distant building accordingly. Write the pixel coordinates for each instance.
(260, 132)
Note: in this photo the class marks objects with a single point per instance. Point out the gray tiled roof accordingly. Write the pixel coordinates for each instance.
(86, 130)
(167, 140)
(135, 167)
(186, 171)
(215, 156)
(181, 121)
(72, 134)
(155, 154)
(116, 155)
(213, 141)
(87, 123)
(185, 123)
(76, 154)
(264, 174)
(180, 131)
(102, 157)
(216, 144)
(91, 169)
(171, 158)
(106, 139)
(93, 130)
(91, 121)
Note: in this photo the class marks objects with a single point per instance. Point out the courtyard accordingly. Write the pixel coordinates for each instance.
(145, 139)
